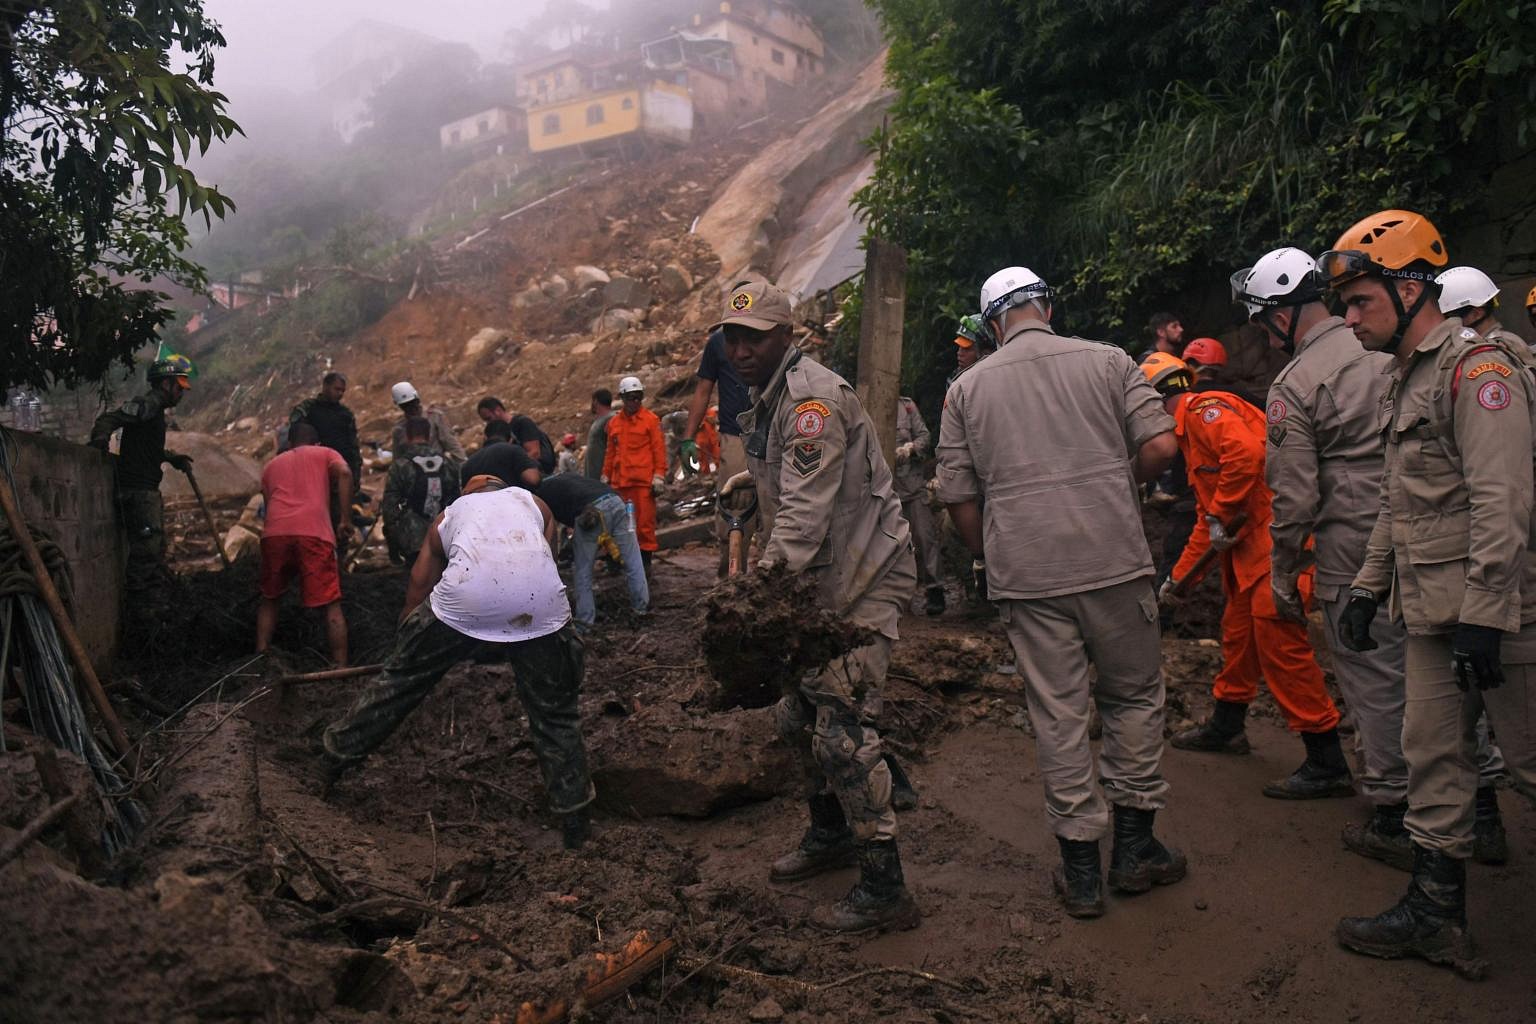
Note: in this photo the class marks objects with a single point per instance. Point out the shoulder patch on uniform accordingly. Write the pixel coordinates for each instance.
(1277, 411)
(811, 418)
(805, 457)
(1493, 395)
(1491, 366)
(1277, 434)
(1210, 414)
(1468, 333)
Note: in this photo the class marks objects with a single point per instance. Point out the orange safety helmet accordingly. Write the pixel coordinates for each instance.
(1168, 373)
(1206, 352)
(1385, 244)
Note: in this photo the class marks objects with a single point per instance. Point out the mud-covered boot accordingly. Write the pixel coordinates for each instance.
(879, 901)
(1430, 921)
(934, 603)
(1080, 879)
(1325, 772)
(1138, 861)
(903, 793)
(1222, 733)
(827, 844)
(575, 829)
(1382, 837)
(1489, 843)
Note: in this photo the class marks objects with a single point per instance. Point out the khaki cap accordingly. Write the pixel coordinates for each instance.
(755, 303)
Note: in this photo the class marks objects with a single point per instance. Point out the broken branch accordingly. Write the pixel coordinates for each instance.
(36, 827)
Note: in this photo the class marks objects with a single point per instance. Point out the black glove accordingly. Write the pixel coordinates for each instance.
(1475, 656)
(1355, 621)
(979, 571)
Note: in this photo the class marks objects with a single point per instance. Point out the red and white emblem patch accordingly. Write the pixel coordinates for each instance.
(1277, 411)
(1493, 395)
(1211, 415)
(810, 423)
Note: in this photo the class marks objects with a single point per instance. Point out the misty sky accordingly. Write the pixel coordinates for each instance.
(274, 42)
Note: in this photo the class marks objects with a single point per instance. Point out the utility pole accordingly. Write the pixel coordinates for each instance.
(880, 330)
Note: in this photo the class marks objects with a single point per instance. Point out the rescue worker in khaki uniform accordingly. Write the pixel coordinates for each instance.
(1056, 434)
(1323, 462)
(1470, 296)
(1451, 553)
(912, 446)
(827, 496)
(140, 454)
(1222, 438)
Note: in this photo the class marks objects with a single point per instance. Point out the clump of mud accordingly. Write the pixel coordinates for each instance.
(769, 626)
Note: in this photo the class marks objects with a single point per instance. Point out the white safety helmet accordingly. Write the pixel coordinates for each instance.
(1281, 277)
(1463, 287)
(1012, 286)
(403, 393)
(630, 386)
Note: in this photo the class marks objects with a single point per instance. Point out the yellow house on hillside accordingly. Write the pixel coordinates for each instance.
(656, 110)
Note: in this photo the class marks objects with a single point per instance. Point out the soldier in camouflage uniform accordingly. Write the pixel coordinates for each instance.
(140, 454)
(422, 482)
(832, 513)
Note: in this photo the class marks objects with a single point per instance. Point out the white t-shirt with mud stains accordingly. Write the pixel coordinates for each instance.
(501, 583)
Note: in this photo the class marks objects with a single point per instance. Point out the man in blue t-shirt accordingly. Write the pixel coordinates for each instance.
(715, 368)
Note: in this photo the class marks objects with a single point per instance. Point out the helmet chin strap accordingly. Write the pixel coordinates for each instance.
(1288, 336)
(1404, 316)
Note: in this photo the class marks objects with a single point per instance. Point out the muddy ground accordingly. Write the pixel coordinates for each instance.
(431, 886)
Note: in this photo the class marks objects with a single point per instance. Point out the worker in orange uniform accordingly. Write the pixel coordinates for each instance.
(708, 441)
(636, 462)
(1222, 439)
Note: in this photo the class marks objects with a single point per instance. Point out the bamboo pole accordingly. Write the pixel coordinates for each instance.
(332, 673)
(61, 619)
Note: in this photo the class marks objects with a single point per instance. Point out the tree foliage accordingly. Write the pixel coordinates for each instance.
(1136, 151)
(96, 128)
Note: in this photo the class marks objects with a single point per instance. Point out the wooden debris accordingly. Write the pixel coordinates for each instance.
(611, 975)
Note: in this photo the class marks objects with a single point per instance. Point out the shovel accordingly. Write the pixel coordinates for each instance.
(218, 538)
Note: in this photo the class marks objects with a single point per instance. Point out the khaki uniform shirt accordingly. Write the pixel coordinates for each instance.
(1323, 458)
(910, 428)
(1047, 435)
(442, 436)
(1453, 537)
(826, 493)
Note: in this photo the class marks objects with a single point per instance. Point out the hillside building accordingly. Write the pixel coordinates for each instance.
(497, 130)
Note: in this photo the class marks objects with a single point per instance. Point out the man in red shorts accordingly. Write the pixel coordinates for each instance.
(299, 538)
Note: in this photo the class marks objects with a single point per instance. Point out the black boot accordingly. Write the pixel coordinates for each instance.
(935, 603)
(1430, 920)
(1080, 879)
(1138, 861)
(903, 793)
(1489, 843)
(1323, 774)
(879, 901)
(575, 828)
(1383, 837)
(1222, 733)
(827, 844)
(645, 562)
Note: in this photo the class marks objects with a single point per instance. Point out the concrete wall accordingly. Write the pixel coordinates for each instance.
(66, 489)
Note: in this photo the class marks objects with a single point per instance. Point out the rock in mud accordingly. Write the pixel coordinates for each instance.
(768, 628)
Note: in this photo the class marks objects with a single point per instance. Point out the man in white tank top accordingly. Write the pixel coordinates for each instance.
(484, 584)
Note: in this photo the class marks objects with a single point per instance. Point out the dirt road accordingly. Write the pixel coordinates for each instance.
(430, 887)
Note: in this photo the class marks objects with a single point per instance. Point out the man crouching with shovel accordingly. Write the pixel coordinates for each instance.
(832, 512)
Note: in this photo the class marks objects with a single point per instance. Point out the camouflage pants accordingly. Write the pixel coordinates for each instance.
(142, 514)
(830, 720)
(548, 671)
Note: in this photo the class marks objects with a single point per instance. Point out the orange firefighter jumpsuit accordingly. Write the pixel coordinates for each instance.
(637, 454)
(1222, 438)
(708, 440)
